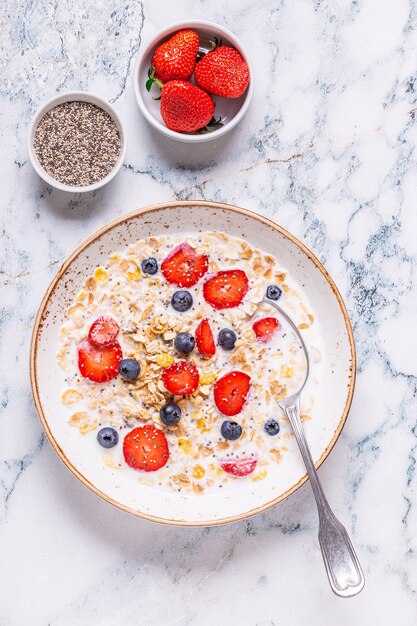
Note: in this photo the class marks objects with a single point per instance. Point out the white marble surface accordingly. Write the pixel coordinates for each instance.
(328, 151)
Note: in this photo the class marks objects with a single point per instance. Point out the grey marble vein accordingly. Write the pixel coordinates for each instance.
(328, 150)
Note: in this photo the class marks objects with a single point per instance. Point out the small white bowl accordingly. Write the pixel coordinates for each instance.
(72, 96)
(231, 110)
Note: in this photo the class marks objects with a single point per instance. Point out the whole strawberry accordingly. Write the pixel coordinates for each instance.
(185, 108)
(176, 58)
(223, 72)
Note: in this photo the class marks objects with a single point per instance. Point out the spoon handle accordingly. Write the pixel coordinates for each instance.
(342, 565)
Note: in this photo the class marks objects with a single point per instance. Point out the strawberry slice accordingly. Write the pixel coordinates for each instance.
(103, 331)
(231, 392)
(226, 289)
(99, 364)
(181, 378)
(183, 267)
(146, 448)
(204, 339)
(266, 328)
(238, 467)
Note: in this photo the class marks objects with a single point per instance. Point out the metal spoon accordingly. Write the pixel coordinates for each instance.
(342, 565)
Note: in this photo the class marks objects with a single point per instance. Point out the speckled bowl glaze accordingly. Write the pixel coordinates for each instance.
(231, 110)
(247, 498)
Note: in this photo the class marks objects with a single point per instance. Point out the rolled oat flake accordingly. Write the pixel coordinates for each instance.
(77, 143)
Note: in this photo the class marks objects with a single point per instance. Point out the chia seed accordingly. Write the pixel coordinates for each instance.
(77, 143)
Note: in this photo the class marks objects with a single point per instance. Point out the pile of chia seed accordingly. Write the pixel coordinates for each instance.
(77, 143)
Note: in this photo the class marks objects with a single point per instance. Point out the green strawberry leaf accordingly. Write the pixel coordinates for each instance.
(152, 80)
(212, 125)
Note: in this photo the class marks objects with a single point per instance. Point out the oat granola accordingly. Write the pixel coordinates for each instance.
(201, 452)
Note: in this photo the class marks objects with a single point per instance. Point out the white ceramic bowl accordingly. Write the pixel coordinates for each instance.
(337, 368)
(231, 110)
(72, 96)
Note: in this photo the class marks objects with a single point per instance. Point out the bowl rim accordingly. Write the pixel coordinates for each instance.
(126, 218)
(71, 96)
(153, 41)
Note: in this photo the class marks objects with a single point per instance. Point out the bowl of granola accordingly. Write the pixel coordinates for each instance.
(156, 368)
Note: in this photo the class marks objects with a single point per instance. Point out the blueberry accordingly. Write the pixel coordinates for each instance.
(271, 427)
(149, 266)
(184, 343)
(108, 437)
(182, 301)
(170, 414)
(231, 430)
(129, 369)
(226, 339)
(273, 292)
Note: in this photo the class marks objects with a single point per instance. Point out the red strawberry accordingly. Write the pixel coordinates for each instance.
(185, 108)
(231, 392)
(181, 378)
(183, 267)
(204, 339)
(146, 448)
(238, 467)
(99, 364)
(266, 328)
(103, 331)
(223, 72)
(226, 289)
(176, 58)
